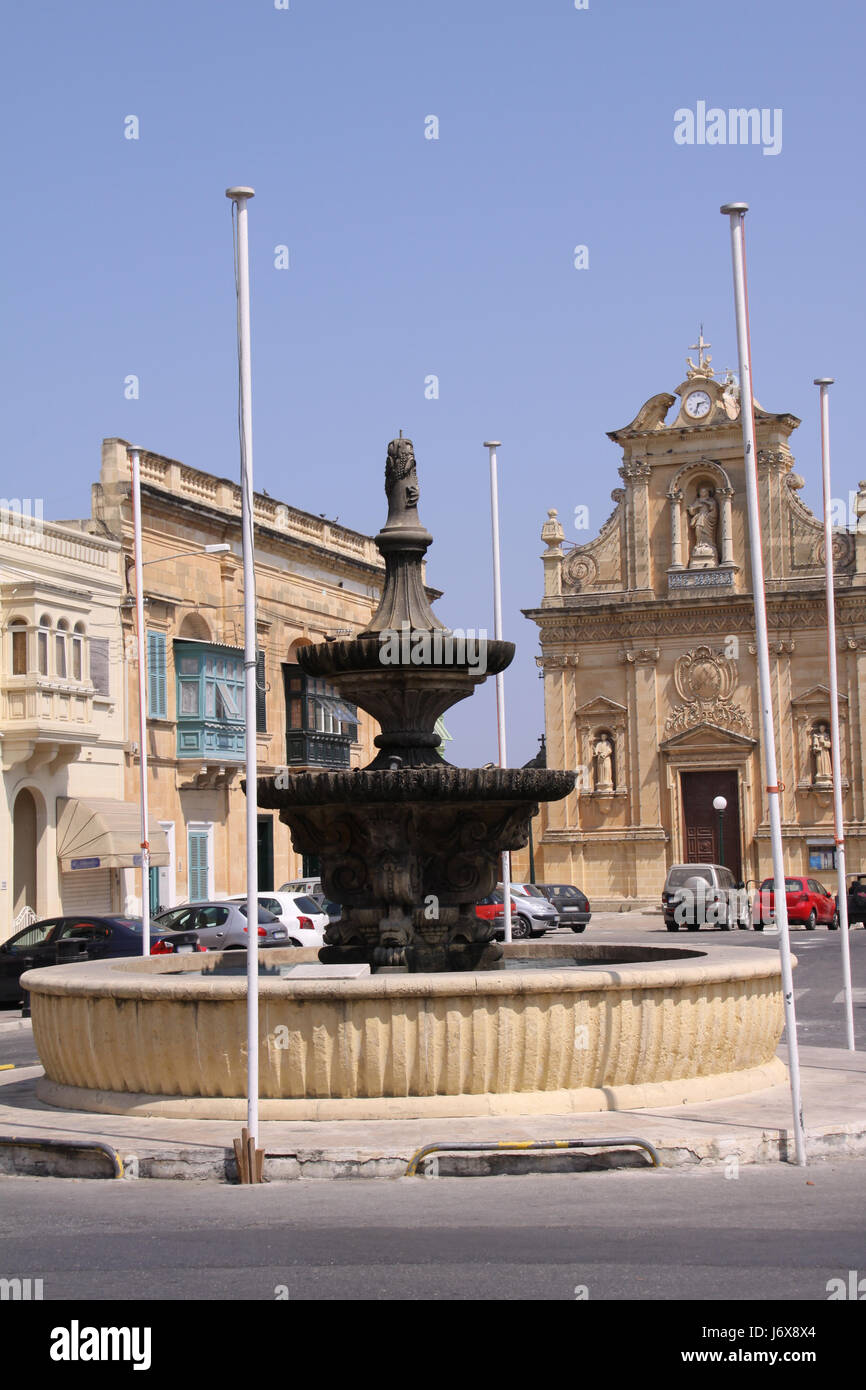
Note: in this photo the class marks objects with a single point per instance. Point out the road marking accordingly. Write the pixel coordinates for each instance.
(858, 996)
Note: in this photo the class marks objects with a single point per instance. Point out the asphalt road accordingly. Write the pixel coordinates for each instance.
(775, 1232)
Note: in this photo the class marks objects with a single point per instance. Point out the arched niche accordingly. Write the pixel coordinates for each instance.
(682, 493)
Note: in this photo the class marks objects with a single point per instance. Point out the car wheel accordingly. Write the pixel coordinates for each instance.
(672, 926)
(834, 925)
(757, 926)
(696, 926)
(812, 920)
(579, 929)
(521, 930)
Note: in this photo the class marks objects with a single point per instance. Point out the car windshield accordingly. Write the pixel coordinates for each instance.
(681, 875)
(564, 890)
(264, 915)
(792, 885)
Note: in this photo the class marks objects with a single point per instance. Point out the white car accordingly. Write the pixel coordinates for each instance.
(303, 918)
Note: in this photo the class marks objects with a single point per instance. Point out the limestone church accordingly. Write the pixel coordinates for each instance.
(647, 641)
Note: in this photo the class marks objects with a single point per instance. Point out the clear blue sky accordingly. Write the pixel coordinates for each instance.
(412, 257)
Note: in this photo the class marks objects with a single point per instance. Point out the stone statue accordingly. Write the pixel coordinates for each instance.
(704, 520)
(822, 775)
(401, 484)
(603, 752)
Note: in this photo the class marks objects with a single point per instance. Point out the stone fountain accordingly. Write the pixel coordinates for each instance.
(409, 844)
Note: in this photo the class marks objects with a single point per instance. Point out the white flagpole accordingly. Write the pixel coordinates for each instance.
(736, 212)
(825, 382)
(240, 197)
(133, 453)
(492, 446)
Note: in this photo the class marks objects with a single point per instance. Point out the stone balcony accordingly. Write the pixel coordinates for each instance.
(36, 711)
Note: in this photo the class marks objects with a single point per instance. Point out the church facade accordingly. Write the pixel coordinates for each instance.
(647, 638)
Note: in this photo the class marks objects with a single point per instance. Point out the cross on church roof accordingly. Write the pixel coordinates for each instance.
(703, 367)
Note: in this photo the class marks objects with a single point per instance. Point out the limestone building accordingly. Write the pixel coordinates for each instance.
(648, 655)
(314, 578)
(66, 839)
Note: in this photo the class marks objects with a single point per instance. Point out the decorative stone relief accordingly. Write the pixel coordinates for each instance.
(705, 680)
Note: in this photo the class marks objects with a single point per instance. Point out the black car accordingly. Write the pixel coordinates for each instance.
(856, 900)
(65, 940)
(571, 905)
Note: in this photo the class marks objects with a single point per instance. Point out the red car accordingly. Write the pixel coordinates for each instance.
(492, 909)
(808, 904)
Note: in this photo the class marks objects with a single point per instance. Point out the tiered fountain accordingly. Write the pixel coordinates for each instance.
(410, 844)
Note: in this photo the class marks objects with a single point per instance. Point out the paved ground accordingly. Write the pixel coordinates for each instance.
(773, 1233)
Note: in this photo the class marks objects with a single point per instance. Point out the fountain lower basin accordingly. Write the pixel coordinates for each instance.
(159, 1037)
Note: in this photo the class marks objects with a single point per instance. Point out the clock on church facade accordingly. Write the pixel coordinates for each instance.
(647, 639)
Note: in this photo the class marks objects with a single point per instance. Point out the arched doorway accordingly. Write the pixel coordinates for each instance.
(24, 842)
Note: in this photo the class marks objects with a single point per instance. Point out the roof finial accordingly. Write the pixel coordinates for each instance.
(703, 367)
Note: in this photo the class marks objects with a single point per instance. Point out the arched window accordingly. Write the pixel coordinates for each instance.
(42, 637)
(60, 649)
(78, 652)
(18, 629)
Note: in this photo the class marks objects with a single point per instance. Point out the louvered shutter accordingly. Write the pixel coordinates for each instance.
(157, 703)
(261, 695)
(197, 854)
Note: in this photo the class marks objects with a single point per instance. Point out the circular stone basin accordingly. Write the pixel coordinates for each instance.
(634, 1027)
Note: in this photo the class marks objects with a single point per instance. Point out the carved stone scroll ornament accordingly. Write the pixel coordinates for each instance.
(578, 571)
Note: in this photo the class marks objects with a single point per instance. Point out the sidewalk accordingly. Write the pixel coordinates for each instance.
(755, 1128)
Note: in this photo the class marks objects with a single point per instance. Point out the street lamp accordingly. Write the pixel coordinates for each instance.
(721, 805)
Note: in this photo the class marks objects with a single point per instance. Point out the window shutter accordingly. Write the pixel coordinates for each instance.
(197, 855)
(99, 665)
(261, 694)
(157, 706)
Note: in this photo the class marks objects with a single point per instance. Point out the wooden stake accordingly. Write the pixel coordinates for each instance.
(250, 1160)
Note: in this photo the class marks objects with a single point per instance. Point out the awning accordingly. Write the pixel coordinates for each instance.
(101, 833)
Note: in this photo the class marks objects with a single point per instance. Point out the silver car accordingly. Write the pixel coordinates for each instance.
(222, 926)
(535, 915)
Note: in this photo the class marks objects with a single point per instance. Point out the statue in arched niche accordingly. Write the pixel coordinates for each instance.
(603, 759)
(822, 763)
(704, 523)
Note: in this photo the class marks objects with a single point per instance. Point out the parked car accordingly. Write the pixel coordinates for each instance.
(571, 906)
(492, 909)
(222, 926)
(310, 886)
(302, 916)
(808, 904)
(697, 895)
(856, 900)
(535, 915)
(65, 940)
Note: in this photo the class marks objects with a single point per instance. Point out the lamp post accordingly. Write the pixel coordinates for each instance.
(720, 805)
(824, 383)
(239, 197)
(736, 213)
(492, 445)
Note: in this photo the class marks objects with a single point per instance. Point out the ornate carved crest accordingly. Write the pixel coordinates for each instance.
(705, 681)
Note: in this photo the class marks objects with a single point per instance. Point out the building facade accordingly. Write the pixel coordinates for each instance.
(314, 579)
(63, 732)
(647, 638)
